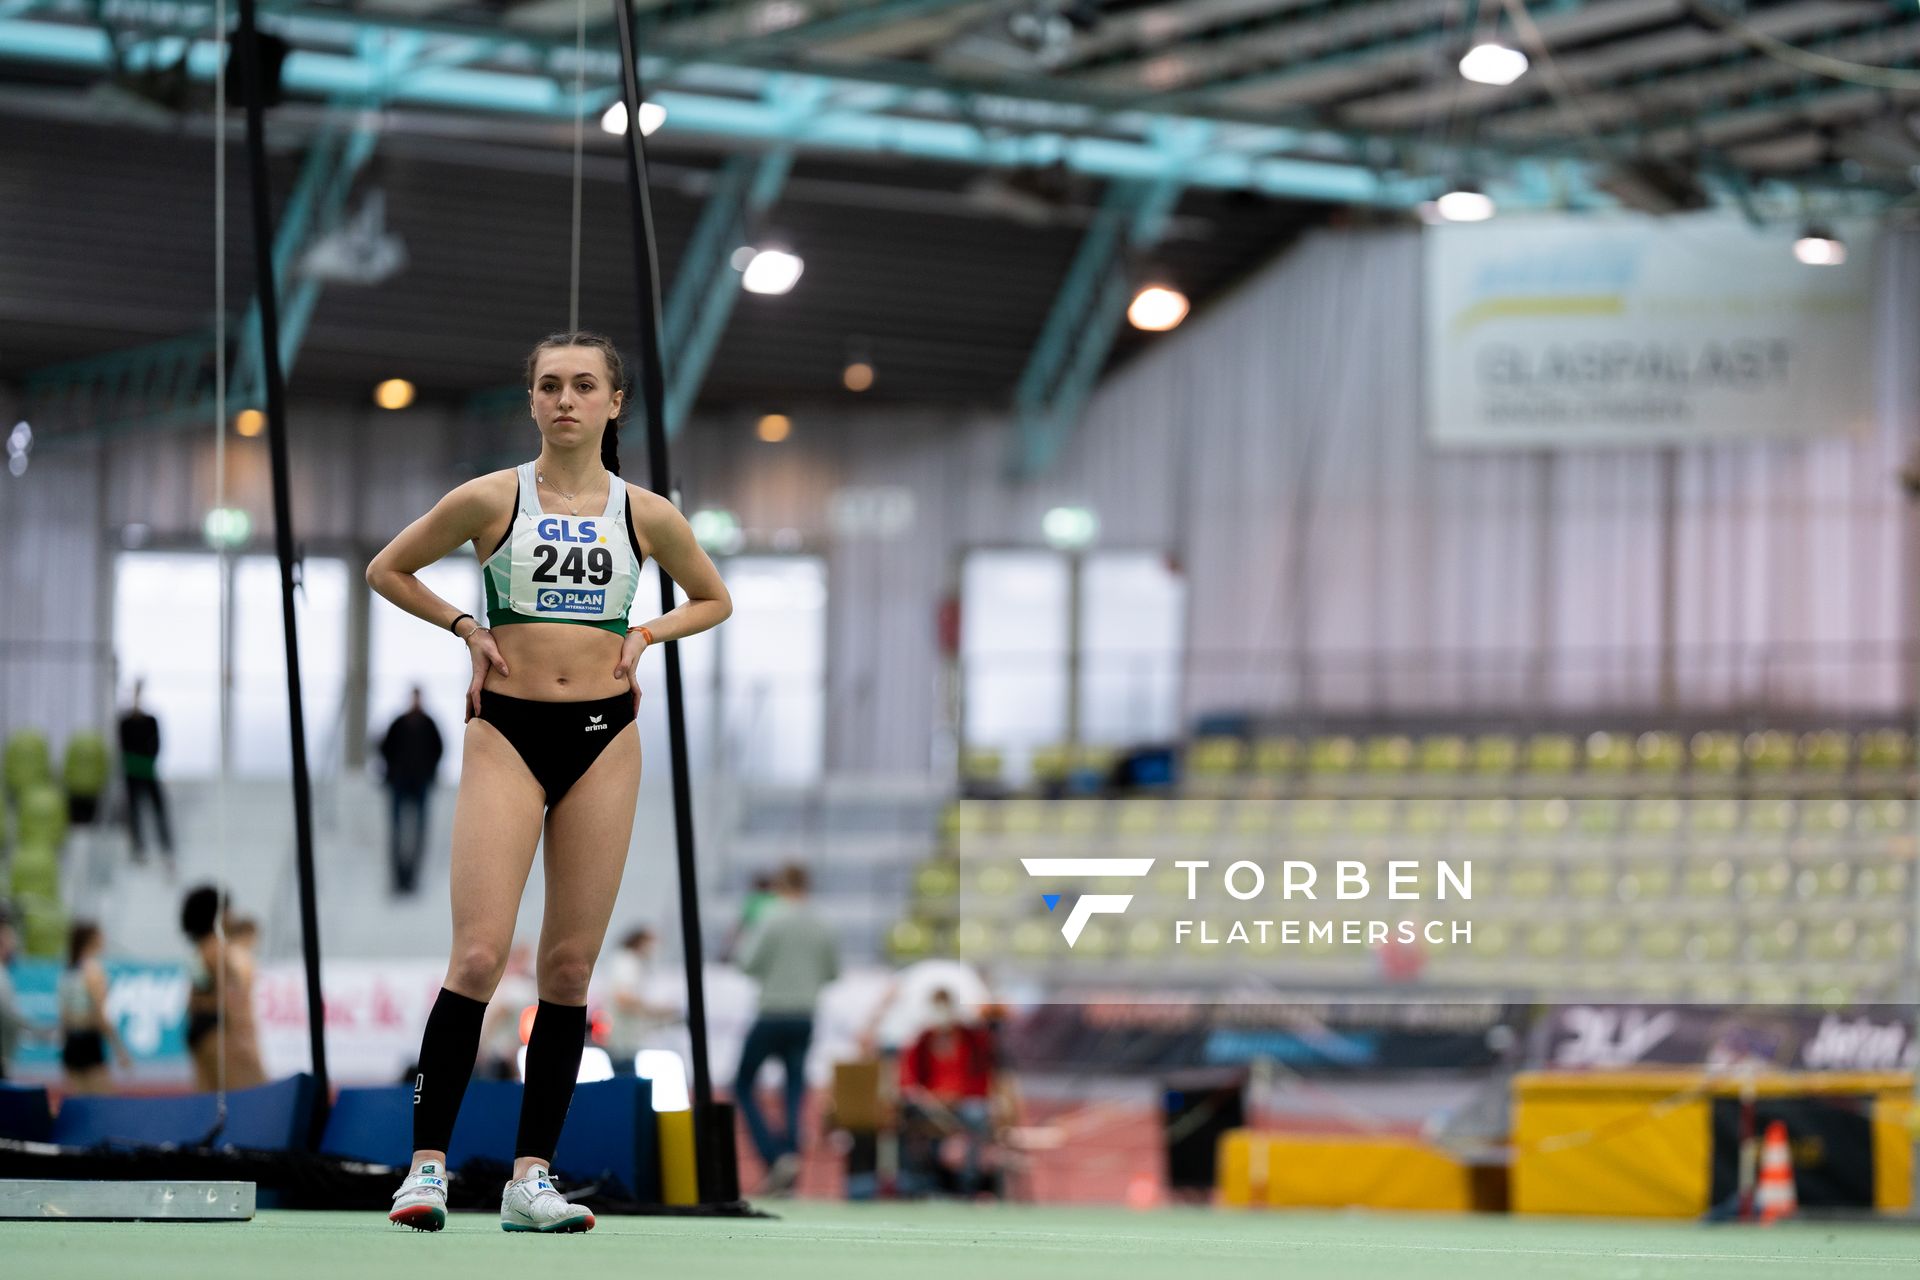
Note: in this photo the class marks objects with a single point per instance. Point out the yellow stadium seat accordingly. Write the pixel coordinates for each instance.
(1531, 879)
(1389, 755)
(1884, 941)
(1603, 940)
(936, 881)
(995, 880)
(909, 940)
(1545, 817)
(1427, 817)
(1885, 817)
(1592, 879)
(1824, 878)
(1885, 750)
(1661, 941)
(1834, 940)
(1657, 817)
(1774, 988)
(1609, 753)
(1716, 751)
(1547, 940)
(1771, 818)
(1495, 753)
(1649, 880)
(1034, 938)
(1079, 821)
(1369, 817)
(982, 764)
(1551, 753)
(1276, 757)
(1310, 817)
(1660, 752)
(1141, 817)
(1147, 938)
(1052, 764)
(1598, 817)
(1197, 817)
(1768, 752)
(1764, 881)
(1825, 751)
(1216, 757)
(1488, 818)
(975, 938)
(1826, 820)
(1024, 817)
(1332, 755)
(1774, 941)
(1491, 941)
(1708, 877)
(1443, 754)
(1713, 941)
(1714, 817)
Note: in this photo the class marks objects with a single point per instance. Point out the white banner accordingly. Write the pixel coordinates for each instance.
(1632, 330)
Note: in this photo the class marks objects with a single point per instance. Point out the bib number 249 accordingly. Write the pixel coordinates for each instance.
(580, 565)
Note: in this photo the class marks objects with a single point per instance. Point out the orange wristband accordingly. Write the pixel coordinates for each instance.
(648, 634)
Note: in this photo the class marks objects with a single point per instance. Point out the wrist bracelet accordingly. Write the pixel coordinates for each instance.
(646, 634)
(453, 626)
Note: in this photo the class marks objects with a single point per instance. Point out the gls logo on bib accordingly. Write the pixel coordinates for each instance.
(555, 529)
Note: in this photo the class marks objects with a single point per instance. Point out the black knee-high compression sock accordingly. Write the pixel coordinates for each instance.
(553, 1064)
(447, 1051)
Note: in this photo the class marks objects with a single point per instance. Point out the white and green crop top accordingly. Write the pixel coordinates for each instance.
(578, 569)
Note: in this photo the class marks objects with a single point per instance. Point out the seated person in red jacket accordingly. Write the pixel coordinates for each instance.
(946, 1088)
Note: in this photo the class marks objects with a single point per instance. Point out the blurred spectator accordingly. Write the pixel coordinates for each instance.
(221, 1034)
(630, 1018)
(759, 897)
(792, 954)
(411, 751)
(946, 1090)
(501, 1032)
(86, 1031)
(139, 767)
(14, 1025)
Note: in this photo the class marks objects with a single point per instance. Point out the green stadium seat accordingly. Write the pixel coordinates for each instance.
(1147, 939)
(1427, 817)
(1079, 822)
(1598, 817)
(1661, 941)
(1825, 820)
(1332, 755)
(1713, 941)
(1770, 751)
(1773, 941)
(1136, 818)
(984, 765)
(87, 765)
(1311, 818)
(1823, 878)
(35, 871)
(1660, 752)
(1714, 818)
(1771, 818)
(975, 938)
(936, 883)
(1657, 817)
(1609, 753)
(1825, 752)
(25, 762)
(1774, 988)
(1094, 759)
(1197, 818)
(1025, 818)
(1033, 938)
(1492, 940)
(1389, 755)
(40, 815)
(1369, 817)
(1649, 880)
(1548, 940)
(1833, 941)
(43, 925)
(1256, 818)
(1444, 753)
(1276, 757)
(1531, 879)
(1764, 881)
(1216, 757)
(1707, 877)
(1715, 752)
(1885, 751)
(1487, 819)
(995, 880)
(909, 940)
(1545, 817)
(1884, 941)
(1051, 764)
(1592, 880)
(1495, 754)
(1884, 818)
(1551, 753)
(1603, 940)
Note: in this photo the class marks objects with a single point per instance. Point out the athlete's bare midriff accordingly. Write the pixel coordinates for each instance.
(557, 662)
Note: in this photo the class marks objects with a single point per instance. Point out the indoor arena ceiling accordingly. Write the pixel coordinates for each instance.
(928, 138)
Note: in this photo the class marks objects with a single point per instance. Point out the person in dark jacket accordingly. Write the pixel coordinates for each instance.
(411, 751)
(139, 769)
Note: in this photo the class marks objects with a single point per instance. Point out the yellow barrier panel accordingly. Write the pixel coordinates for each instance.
(1282, 1170)
(679, 1181)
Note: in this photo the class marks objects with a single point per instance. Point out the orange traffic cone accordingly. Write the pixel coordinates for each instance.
(1775, 1197)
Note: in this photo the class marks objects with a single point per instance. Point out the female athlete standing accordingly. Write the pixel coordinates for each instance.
(550, 744)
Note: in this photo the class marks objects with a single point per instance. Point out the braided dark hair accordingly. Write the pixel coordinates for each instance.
(616, 376)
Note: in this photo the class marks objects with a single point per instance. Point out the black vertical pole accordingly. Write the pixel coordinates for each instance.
(248, 54)
(712, 1126)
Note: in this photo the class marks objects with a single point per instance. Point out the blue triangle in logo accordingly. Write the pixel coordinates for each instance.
(1051, 899)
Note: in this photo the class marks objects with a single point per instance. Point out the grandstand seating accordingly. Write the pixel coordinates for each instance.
(1766, 865)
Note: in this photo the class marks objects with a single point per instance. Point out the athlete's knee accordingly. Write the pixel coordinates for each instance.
(565, 973)
(475, 968)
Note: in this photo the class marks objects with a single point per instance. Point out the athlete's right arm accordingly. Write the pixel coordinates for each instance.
(455, 520)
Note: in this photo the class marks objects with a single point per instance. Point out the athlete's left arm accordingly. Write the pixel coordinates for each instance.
(666, 537)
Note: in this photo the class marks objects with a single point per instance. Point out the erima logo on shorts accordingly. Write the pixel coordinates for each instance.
(593, 722)
(553, 600)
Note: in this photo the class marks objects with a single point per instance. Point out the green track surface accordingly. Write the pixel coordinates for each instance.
(819, 1241)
